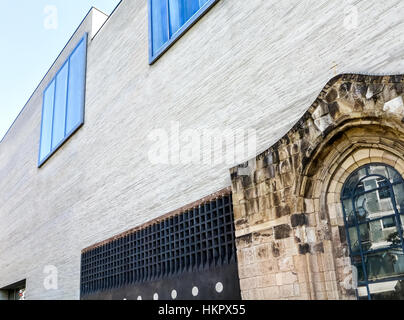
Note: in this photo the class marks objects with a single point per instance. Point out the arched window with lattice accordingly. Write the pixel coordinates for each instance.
(373, 205)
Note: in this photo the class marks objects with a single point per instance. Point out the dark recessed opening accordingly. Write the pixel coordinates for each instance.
(14, 291)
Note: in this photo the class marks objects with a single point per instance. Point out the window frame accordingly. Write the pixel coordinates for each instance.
(81, 122)
(361, 253)
(179, 33)
(380, 190)
(384, 227)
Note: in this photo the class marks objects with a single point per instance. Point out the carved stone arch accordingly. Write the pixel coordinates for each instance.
(287, 209)
(347, 149)
(345, 139)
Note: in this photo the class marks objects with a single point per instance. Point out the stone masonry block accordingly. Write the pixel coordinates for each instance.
(282, 231)
(298, 220)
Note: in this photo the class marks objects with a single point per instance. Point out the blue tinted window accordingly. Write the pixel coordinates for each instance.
(176, 18)
(169, 19)
(159, 26)
(180, 12)
(75, 99)
(47, 115)
(63, 102)
(59, 108)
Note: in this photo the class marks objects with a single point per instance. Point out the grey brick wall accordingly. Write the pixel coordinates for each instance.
(256, 63)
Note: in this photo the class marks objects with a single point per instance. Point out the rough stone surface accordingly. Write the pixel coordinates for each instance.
(346, 127)
(298, 220)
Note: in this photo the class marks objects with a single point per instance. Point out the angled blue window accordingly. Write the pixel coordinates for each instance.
(47, 116)
(77, 81)
(63, 102)
(59, 108)
(169, 19)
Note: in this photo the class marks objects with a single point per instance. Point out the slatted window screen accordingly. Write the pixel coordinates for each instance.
(193, 241)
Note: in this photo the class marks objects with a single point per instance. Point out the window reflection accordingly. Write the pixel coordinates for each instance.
(385, 264)
(357, 262)
(399, 195)
(392, 290)
(375, 236)
(373, 202)
(376, 201)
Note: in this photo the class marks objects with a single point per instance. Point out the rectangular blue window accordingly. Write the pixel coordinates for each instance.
(160, 27)
(169, 19)
(59, 107)
(77, 82)
(47, 116)
(63, 102)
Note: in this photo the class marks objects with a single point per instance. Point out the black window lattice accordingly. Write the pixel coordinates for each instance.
(195, 240)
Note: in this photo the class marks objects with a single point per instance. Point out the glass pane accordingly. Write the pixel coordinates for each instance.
(367, 184)
(47, 114)
(180, 12)
(349, 212)
(75, 107)
(391, 174)
(373, 205)
(353, 237)
(399, 194)
(353, 181)
(159, 21)
(384, 189)
(394, 176)
(379, 170)
(177, 18)
(388, 222)
(377, 236)
(391, 290)
(385, 264)
(60, 106)
(357, 263)
(365, 237)
(202, 2)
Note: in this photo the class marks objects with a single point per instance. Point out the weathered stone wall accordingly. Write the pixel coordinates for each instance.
(289, 221)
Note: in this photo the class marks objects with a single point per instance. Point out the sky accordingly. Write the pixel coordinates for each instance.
(32, 34)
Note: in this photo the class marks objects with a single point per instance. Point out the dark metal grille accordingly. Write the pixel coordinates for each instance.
(195, 240)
